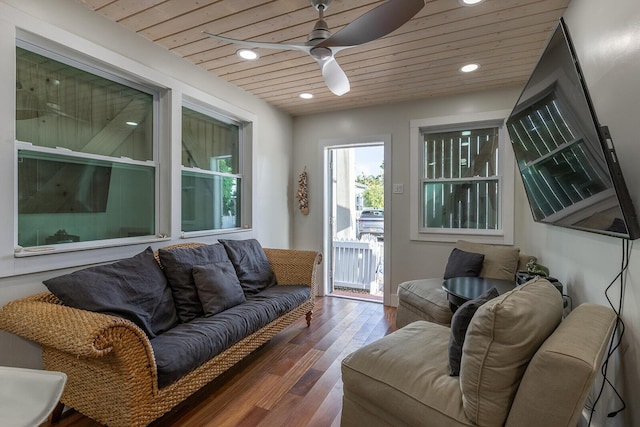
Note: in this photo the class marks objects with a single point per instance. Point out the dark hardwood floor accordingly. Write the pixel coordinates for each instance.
(293, 380)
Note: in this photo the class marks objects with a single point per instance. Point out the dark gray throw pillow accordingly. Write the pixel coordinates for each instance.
(133, 288)
(178, 264)
(251, 264)
(218, 287)
(463, 264)
(459, 325)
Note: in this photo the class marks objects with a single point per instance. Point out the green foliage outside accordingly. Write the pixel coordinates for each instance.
(228, 188)
(374, 194)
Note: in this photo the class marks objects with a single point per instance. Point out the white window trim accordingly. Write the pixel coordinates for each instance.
(20, 26)
(506, 160)
(57, 52)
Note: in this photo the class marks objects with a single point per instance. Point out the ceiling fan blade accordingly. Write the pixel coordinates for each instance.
(336, 79)
(255, 44)
(376, 23)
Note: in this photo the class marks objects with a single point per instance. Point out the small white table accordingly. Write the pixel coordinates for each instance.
(27, 396)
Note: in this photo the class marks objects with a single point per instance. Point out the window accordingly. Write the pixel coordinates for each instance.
(460, 184)
(86, 167)
(462, 187)
(211, 171)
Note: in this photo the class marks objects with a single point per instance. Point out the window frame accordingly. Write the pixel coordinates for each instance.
(505, 177)
(17, 262)
(244, 130)
(78, 60)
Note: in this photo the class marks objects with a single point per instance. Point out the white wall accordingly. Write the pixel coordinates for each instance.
(72, 24)
(607, 40)
(408, 259)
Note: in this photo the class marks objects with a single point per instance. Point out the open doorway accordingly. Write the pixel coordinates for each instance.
(357, 232)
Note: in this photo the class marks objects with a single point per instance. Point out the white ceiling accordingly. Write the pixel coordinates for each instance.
(419, 60)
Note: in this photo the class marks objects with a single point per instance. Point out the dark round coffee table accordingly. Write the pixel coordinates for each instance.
(462, 289)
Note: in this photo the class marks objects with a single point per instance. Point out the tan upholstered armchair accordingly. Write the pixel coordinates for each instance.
(424, 299)
(518, 368)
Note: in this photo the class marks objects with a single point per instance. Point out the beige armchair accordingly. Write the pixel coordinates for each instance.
(521, 366)
(424, 299)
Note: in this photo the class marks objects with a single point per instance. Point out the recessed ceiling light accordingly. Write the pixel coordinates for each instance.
(132, 123)
(306, 95)
(470, 2)
(248, 54)
(469, 68)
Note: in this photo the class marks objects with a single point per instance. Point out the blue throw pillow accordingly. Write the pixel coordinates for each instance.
(218, 287)
(134, 289)
(178, 264)
(459, 325)
(463, 264)
(251, 264)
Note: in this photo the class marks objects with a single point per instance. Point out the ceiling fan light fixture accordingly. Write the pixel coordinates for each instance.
(306, 95)
(321, 53)
(247, 54)
(469, 68)
(321, 45)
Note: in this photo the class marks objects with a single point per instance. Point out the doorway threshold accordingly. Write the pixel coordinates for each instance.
(361, 296)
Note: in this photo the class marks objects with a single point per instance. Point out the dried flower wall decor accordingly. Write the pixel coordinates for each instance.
(303, 193)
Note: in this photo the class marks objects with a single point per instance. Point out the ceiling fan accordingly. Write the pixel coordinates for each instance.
(322, 45)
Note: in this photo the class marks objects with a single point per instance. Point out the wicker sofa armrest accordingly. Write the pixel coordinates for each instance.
(43, 319)
(295, 267)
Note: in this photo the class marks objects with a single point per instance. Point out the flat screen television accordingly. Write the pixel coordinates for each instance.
(565, 157)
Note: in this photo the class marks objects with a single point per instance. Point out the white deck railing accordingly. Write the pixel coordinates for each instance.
(356, 263)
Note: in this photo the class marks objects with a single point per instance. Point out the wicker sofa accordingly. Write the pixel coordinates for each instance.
(110, 361)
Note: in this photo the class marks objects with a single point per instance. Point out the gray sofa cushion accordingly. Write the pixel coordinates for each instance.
(251, 264)
(133, 288)
(218, 287)
(178, 264)
(188, 345)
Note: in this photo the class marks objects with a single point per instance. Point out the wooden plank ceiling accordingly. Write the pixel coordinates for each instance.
(419, 60)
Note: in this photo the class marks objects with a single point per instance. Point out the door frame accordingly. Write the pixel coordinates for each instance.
(325, 145)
